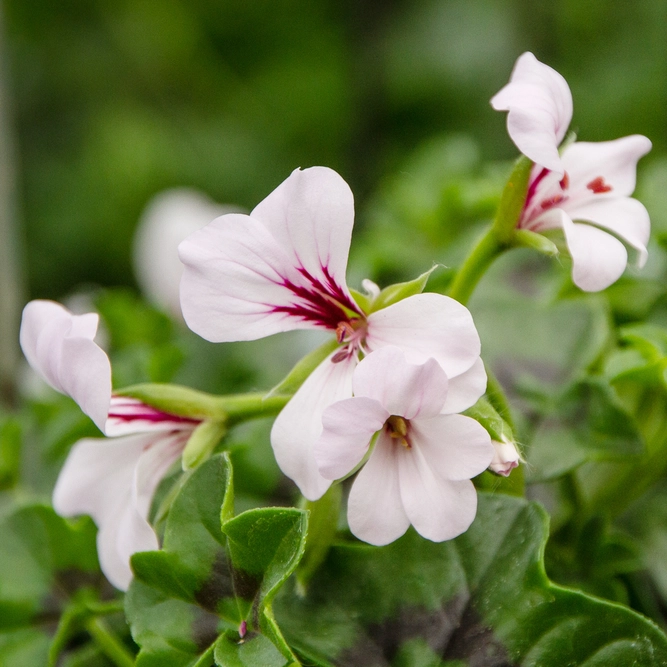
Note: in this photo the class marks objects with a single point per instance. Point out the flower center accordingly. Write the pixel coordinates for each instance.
(397, 428)
(352, 332)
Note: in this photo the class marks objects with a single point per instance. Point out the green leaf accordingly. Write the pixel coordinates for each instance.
(208, 579)
(482, 599)
(202, 442)
(588, 423)
(265, 546)
(192, 564)
(298, 375)
(400, 291)
(251, 651)
(44, 561)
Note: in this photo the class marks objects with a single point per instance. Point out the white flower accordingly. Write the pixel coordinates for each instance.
(167, 219)
(112, 479)
(283, 267)
(585, 192)
(424, 457)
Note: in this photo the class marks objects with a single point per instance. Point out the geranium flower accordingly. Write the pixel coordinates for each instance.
(113, 480)
(585, 191)
(282, 268)
(420, 468)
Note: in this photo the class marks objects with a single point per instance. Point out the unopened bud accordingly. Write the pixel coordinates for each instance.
(506, 457)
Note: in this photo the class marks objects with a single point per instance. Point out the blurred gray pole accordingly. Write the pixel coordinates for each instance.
(11, 292)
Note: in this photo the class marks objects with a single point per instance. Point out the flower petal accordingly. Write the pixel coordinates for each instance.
(234, 277)
(281, 268)
(98, 479)
(466, 389)
(402, 388)
(375, 512)
(624, 216)
(427, 325)
(455, 447)
(299, 425)
(615, 162)
(539, 102)
(311, 215)
(129, 415)
(60, 347)
(439, 509)
(598, 258)
(348, 426)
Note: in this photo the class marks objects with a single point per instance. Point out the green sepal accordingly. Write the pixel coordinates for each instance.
(394, 293)
(484, 413)
(527, 239)
(512, 200)
(363, 300)
(298, 375)
(202, 442)
(185, 402)
(177, 400)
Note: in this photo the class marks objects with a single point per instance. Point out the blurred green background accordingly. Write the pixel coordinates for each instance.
(115, 100)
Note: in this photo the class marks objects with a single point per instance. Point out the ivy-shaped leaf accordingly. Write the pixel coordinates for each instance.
(265, 546)
(196, 596)
(480, 600)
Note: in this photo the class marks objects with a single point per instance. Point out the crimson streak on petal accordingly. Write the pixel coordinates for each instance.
(323, 303)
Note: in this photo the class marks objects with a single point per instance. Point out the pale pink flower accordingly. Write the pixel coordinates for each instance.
(585, 191)
(111, 479)
(282, 268)
(424, 456)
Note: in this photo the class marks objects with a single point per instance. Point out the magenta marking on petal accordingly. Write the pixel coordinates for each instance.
(146, 413)
(325, 304)
(533, 186)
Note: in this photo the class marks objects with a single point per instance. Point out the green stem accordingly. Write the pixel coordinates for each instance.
(475, 265)
(499, 237)
(252, 406)
(108, 643)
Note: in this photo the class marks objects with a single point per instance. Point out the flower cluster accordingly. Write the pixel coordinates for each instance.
(283, 267)
(585, 191)
(386, 401)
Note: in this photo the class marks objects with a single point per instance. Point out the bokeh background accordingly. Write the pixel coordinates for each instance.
(112, 101)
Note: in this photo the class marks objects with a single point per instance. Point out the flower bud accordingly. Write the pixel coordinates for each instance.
(505, 458)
